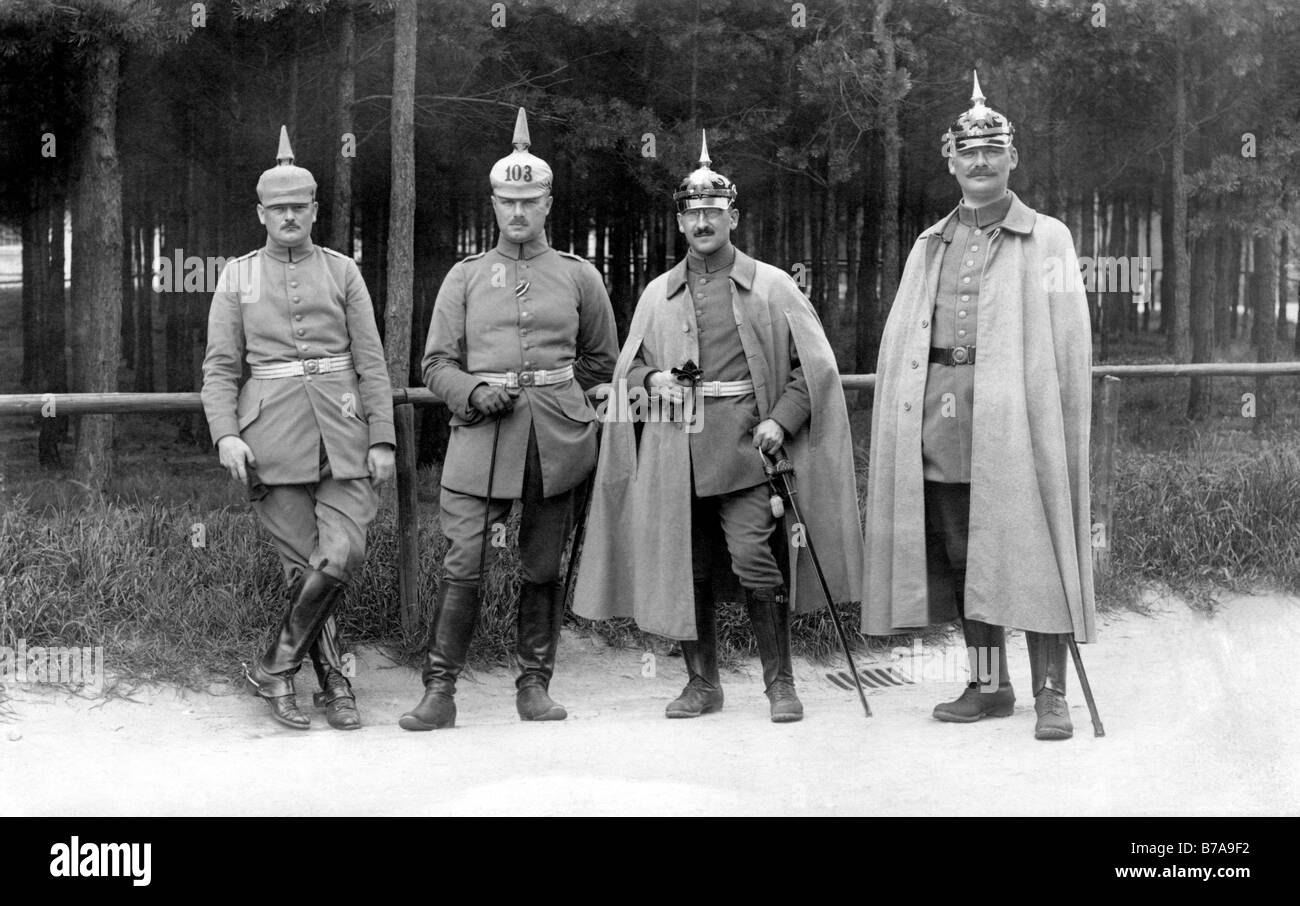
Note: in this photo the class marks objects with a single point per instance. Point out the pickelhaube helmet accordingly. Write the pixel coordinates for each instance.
(521, 174)
(286, 183)
(978, 127)
(704, 188)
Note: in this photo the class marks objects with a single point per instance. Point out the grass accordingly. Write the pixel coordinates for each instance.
(1200, 509)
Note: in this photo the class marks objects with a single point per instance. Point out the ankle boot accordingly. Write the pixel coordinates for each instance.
(986, 647)
(335, 697)
(540, 616)
(703, 692)
(1047, 666)
(454, 617)
(770, 618)
(311, 598)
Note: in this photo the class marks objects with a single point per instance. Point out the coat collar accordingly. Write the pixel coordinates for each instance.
(522, 252)
(1020, 219)
(286, 253)
(742, 274)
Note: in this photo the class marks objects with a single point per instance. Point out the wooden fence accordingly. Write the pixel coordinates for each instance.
(405, 400)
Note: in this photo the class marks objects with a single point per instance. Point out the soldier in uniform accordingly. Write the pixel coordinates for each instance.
(978, 503)
(671, 507)
(518, 334)
(310, 431)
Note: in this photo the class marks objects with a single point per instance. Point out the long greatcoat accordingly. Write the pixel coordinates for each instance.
(1029, 560)
(636, 560)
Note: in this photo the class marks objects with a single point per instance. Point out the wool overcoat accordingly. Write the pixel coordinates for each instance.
(1029, 559)
(636, 560)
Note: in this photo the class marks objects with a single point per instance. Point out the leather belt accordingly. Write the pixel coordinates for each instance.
(303, 366)
(725, 388)
(952, 355)
(513, 379)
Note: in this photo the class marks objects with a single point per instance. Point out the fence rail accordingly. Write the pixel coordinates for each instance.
(406, 399)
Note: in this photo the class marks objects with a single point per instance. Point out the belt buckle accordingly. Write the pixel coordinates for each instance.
(527, 378)
(959, 355)
(311, 366)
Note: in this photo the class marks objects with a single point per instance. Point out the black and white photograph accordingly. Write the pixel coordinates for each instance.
(652, 408)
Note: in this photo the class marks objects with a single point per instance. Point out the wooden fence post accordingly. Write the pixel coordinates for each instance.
(1103, 509)
(408, 518)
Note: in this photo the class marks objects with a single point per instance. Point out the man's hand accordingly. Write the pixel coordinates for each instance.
(667, 386)
(768, 436)
(234, 454)
(491, 400)
(380, 462)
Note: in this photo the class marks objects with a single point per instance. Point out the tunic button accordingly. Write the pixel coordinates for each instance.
(297, 299)
(974, 248)
(907, 407)
(979, 232)
(303, 348)
(925, 322)
(293, 267)
(686, 328)
(965, 298)
(970, 262)
(523, 331)
(965, 279)
(961, 333)
(523, 314)
(301, 331)
(297, 317)
(915, 363)
(704, 279)
(962, 313)
(294, 284)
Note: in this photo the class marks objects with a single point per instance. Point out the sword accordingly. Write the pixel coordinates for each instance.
(1097, 728)
(784, 469)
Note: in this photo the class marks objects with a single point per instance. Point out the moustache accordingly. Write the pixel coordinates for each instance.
(704, 231)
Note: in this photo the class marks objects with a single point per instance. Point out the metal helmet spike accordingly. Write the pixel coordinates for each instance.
(521, 174)
(978, 127)
(521, 139)
(285, 154)
(705, 188)
(286, 183)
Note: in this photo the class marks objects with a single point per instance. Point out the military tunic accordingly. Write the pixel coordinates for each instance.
(520, 308)
(950, 389)
(309, 433)
(728, 484)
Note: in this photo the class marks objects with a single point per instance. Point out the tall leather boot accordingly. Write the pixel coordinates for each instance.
(310, 604)
(1047, 667)
(770, 618)
(703, 692)
(986, 647)
(454, 617)
(335, 697)
(540, 616)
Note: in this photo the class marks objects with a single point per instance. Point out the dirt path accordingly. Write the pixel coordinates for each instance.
(1198, 714)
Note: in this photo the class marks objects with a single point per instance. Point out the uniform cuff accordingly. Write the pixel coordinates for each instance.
(789, 415)
(222, 427)
(636, 377)
(383, 433)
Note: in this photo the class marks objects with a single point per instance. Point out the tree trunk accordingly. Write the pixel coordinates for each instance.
(1284, 243)
(1199, 400)
(1181, 334)
(341, 209)
(1266, 270)
(35, 246)
(401, 216)
(100, 243)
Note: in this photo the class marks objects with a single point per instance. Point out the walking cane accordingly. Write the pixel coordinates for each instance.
(784, 468)
(1097, 728)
